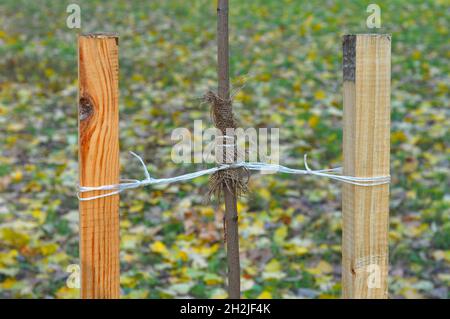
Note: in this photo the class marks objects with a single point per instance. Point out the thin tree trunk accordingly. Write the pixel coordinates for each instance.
(231, 216)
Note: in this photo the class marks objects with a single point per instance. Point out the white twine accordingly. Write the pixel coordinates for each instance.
(333, 173)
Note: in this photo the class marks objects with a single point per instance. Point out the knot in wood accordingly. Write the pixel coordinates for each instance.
(86, 108)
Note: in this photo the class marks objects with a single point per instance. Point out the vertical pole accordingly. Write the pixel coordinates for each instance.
(98, 69)
(367, 73)
(231, 215)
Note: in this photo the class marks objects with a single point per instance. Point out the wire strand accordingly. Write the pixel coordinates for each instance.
(333, 173)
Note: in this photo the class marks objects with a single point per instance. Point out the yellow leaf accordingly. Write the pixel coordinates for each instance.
(130, 241)
(255, 38)
(264, 193)
(159, 247)
(312, 54)
(219, 294)
(242, 97)
(39, 215)
(273, 266)
(412, 194)
(17, 176)
(129, 258)
(301, 250)
(322, 267)
(241, 207)
(252, 271)
(129, 281)
(297, 87)
(398, 136)
(136, 207)
(211, 279)
(206, 251)
(48, 249)
(67, 293)
(3, 110)
(313, 121)
(182, 255)
(447, 256)
(319, 95)
(294, 249)
(8, 283)
(49, 72)
(276, 118)
(207, 211)
(394, 235)
(136, 294)
(137, 78)
(265, 295)
(264, 77)
(280, 235)
(416, 55)
(125, 223)
(317, 27)
(8, 258)
(14, 238)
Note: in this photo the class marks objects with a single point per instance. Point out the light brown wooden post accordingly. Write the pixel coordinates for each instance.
(367, 72)
(99, 164)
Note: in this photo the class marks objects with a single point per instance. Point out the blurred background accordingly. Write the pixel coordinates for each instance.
(289, 55)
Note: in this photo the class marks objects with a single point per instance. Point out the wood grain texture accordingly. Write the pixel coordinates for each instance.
(99, 164)
(367, 71)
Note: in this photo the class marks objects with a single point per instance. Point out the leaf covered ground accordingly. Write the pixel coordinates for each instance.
(289, 55)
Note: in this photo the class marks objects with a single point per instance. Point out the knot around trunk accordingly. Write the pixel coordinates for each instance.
(234, 180)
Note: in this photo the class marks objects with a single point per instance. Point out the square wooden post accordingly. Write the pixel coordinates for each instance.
(98, 69)
(367, 73)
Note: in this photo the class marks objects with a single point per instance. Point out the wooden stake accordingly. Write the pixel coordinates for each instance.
(99, 164)
(367, 72)
(231, 214)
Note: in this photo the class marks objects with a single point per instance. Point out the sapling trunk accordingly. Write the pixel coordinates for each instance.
(231, 215)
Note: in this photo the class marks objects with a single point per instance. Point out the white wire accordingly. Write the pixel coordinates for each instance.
(333, 173)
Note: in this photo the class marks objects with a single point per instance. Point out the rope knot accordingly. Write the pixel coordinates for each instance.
(229, 178)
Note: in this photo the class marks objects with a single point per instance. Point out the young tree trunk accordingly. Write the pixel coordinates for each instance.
(231, 215)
